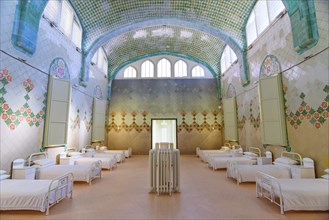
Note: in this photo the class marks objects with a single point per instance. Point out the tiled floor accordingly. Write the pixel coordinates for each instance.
(124, 194)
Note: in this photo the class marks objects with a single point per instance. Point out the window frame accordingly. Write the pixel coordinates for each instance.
(253, 34)
(182, 67)
(56, 20)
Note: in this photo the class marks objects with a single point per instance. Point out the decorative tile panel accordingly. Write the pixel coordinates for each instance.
(11, 113)
(58, 68)
(189, 126)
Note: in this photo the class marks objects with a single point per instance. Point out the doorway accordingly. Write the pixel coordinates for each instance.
(164, 132)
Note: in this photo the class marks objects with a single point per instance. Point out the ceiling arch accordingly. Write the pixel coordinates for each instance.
(191, 26)
(99, 17)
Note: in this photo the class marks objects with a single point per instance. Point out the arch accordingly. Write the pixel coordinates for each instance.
(236, 47)
(180, 65)
(184, 56)
(163, 67)
(26, 24)
(130, 72)
(147, 64)
(197, 68)
(28, 14)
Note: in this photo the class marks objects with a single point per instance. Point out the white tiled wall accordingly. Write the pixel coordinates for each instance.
(25, 139)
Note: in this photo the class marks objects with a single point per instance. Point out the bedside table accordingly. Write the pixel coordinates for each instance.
(264, 160)
(24, 173)
(298, 172)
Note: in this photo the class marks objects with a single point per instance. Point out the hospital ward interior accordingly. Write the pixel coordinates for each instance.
(164, 109)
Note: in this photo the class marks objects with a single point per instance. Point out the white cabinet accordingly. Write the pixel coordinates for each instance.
(67, 161)
(23, 173)
(299, 172)
(264, 160)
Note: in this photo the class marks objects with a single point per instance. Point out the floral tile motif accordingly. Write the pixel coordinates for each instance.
(87, 122)
(306, 113)
(14, 117)
(75, 122)
(59, 69)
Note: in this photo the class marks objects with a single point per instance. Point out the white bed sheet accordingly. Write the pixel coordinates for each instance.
(23, 194)
(107, 162)
(304, 194)
(204, 154)
(222, 162)
(248, 173)
(80, 172)
(120, 157)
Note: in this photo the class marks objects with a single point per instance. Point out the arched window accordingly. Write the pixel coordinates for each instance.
(100, 60)
(164, 68)
(197, 71)
(228, 57)
(147, 69)
(263, 14)
(180, 69)
(130, 72)
(61, 14)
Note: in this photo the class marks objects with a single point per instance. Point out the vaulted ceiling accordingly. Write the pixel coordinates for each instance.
(195, 29)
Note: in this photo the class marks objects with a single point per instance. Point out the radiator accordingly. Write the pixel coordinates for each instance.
(164, 170)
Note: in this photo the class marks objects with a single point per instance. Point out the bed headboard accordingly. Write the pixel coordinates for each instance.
(255, 150)
(294, 156)
(35, 156)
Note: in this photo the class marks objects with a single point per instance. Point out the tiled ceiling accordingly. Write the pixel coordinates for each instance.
(100, 17)
(193, 44)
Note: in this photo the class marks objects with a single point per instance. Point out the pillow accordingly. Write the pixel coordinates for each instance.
(72, 154)
(90, 150)
(44, 162)
(103, 148)
(250, 154)
(326, 176)
(4, 176)
(2, 172)
(225, 148)
(286, 160)
(326, 170)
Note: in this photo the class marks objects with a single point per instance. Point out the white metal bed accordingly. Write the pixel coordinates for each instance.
(294, 194)
(249, 158)
(223, 151)
(40, 195)
(84, 159)
(47, 169)
(232, 165)
(247, 173)
(119, 155)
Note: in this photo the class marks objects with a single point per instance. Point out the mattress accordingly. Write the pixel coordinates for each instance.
(107, 162)
(22, 194)
(304, 194)
(222, 162)
(247, 173)
(80, 172)
(120, 157)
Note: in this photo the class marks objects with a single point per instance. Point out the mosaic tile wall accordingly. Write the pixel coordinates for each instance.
(22, 109)
(305, 87)
(192, 102)
(23, 89)
(80, 120)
